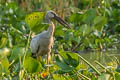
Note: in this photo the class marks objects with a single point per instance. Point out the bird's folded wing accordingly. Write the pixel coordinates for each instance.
(34, 45)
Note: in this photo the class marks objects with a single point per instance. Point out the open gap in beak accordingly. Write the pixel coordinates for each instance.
(62, 22)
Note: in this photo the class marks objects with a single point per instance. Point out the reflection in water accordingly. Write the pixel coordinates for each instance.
(103, 57)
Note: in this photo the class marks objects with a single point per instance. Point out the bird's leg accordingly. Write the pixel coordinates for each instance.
(48, 59)
(37, 58)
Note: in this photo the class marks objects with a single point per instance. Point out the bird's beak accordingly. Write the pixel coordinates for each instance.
(61, 21)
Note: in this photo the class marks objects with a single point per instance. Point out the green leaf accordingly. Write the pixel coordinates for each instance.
(3, 42)
(17, 51)
(12, 5)
(89, 16)
(59, 31)
(71, 59)
(75, 18)
(85, 29)
(64, 67)
(4, 65)
(34, 18)
(117, 76)
(35, 21)
(117, 28)
(31, 65)
(99, 22)
(40, 27)
(67, 61)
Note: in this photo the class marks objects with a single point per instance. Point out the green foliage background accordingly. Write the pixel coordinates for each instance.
(95, 26)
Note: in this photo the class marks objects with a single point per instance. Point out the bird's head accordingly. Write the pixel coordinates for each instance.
(52, 15)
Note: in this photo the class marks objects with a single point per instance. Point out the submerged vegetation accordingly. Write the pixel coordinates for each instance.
(95, 27)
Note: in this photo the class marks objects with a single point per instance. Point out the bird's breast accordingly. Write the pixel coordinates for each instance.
(45, 45)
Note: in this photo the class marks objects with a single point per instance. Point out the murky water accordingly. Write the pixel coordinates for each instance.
(103, 57)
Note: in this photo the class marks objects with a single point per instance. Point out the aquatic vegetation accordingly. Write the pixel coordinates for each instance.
(95, 27)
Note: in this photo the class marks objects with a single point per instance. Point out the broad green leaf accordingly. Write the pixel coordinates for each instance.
(117, 28)
(3, 42)
(60, 72)
(4, 64)
(12, 5)
(67, 61)
(64, 67)
(89, 16)
(35, 21)
(40, 27)
(99, 22)
(75, 17)
(67, 55)
(34, 18)
(59, 31)
(71, 59)
(85, 29)
(31, 65)
(117, 76)
(17, 51)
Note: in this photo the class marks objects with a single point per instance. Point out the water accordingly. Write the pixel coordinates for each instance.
(104, 57)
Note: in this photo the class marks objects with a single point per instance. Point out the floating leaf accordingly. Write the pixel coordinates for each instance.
(59, 31)
(75, 17)
(3, 42)
(89, 15)
(34, 21)
(67, 61)
(34, 18)
(99, 22)
(17, 51)
(4, 65)
(117, 76)
(31, 65)
(64, 67)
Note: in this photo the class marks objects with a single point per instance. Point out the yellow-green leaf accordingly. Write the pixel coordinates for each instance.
(31, 65)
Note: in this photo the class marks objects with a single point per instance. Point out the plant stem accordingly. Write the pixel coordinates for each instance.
(103, 67)
(83, 76)
(89, 64)
(27, 46)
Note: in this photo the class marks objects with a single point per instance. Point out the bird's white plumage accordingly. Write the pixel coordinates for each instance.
(42, 43)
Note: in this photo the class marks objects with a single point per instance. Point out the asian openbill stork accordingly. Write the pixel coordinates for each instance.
(42, 43)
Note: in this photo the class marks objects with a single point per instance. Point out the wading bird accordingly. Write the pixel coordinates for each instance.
(42, 43)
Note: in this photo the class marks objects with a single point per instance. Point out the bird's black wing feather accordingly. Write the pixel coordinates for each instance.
(38, 49)
(33, 54)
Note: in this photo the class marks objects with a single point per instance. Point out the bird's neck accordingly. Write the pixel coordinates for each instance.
(51, 29)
